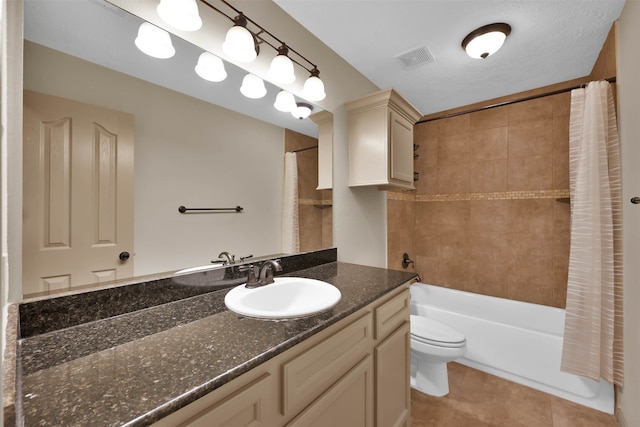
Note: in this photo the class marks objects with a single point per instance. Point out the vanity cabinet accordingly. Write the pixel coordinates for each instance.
(353, 373)
(381, 140)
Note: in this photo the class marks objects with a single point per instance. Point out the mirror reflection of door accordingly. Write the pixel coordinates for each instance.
(78, 194)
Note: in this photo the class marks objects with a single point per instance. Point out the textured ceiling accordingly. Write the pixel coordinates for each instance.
(551, 41)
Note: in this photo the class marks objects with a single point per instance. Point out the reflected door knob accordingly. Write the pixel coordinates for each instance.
(123, 256)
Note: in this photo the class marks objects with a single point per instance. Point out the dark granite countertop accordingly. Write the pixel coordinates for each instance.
(137, 367)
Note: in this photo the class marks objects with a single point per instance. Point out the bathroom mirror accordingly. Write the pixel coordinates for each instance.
(197, 143)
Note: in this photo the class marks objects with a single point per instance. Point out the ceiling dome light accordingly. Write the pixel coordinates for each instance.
(180, 14)
(239, 43)
(154, 41)
(285, 101)
(302, 110)
(313, 88)
(486, 40)
(253, 87)
(210, 67)
(281, 69)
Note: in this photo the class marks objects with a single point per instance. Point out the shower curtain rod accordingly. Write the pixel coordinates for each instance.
(305, 149)
(515, 101)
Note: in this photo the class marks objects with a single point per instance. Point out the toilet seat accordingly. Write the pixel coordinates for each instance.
(434, 333)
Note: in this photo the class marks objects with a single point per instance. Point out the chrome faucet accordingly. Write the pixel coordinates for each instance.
(265, 274)
(230, 259)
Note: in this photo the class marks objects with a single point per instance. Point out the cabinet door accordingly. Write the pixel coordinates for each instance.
(250, 405)
(348, 403)
(392, 359)
(401, 148)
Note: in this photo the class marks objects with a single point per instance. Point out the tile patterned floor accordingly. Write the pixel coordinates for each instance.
(477, 399)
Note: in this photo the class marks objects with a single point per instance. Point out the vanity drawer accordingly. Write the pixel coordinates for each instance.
(309, 374)
(393, 312)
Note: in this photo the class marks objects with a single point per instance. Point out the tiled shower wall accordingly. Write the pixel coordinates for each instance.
(484, 216)
(314, 206)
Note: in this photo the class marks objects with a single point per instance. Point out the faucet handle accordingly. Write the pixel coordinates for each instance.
(230, 259)
(242, 258)
(252, 281)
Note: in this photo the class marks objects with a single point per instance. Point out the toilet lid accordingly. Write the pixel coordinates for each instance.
(432, 332)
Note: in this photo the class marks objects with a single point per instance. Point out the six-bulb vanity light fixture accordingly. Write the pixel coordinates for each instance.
(240, 44)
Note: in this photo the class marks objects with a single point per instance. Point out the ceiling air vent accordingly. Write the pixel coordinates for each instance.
(415, 58)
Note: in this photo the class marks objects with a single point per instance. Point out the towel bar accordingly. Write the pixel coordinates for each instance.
(182, 209)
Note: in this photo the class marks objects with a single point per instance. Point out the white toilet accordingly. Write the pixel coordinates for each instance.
(433, 345)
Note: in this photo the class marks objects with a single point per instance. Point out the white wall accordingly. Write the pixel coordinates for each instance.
(187, 152)
(629, 104)
(360, 213)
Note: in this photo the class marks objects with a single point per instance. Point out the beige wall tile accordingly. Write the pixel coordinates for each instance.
(400, 215)
(489, 144)
(530, 251)
(560, 170)
(427, 182)
(531, 138)
(454, 125)
(433, 270)
(534, 285)
(453, 215)
(487, 248)
(531, 216)
(488, 119)
(327, 227)
(559, 298)
(307, 162)
(488, 176)
(453, 178)
(561, 104)
(488, 279)
(530, 111)
(491, 224)
(310, 234)
(489, 216)
(426, 229)
(530, 173)
(561, 133)
(454, 149)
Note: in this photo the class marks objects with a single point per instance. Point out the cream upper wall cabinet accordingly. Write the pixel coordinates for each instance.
(381, 140)
(324, 120)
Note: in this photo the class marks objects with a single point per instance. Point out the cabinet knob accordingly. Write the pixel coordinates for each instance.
(124, 256)
(635, 200)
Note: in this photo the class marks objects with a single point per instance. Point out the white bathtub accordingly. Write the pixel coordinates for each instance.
(515, 340)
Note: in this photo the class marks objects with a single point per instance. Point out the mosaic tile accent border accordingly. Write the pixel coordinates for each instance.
(324, 202)
(502, 195)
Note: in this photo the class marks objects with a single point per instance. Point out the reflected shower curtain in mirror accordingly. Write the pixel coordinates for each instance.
(290, 228)
(593, 345)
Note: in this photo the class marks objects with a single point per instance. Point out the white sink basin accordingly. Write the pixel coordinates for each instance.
(287, 297)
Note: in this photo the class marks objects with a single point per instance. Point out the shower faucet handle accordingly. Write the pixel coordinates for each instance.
(406, 261)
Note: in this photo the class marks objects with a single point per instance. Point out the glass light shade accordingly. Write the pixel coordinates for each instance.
(313, 89)
(239, 44)
(210, 67)
(154, 41)
(253, 87)
(180, 14)
(301, 111)
(281, 70)
(285, 101)
(485, 44)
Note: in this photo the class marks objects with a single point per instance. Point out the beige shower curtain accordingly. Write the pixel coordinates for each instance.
(290, 226)
(593, 327)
